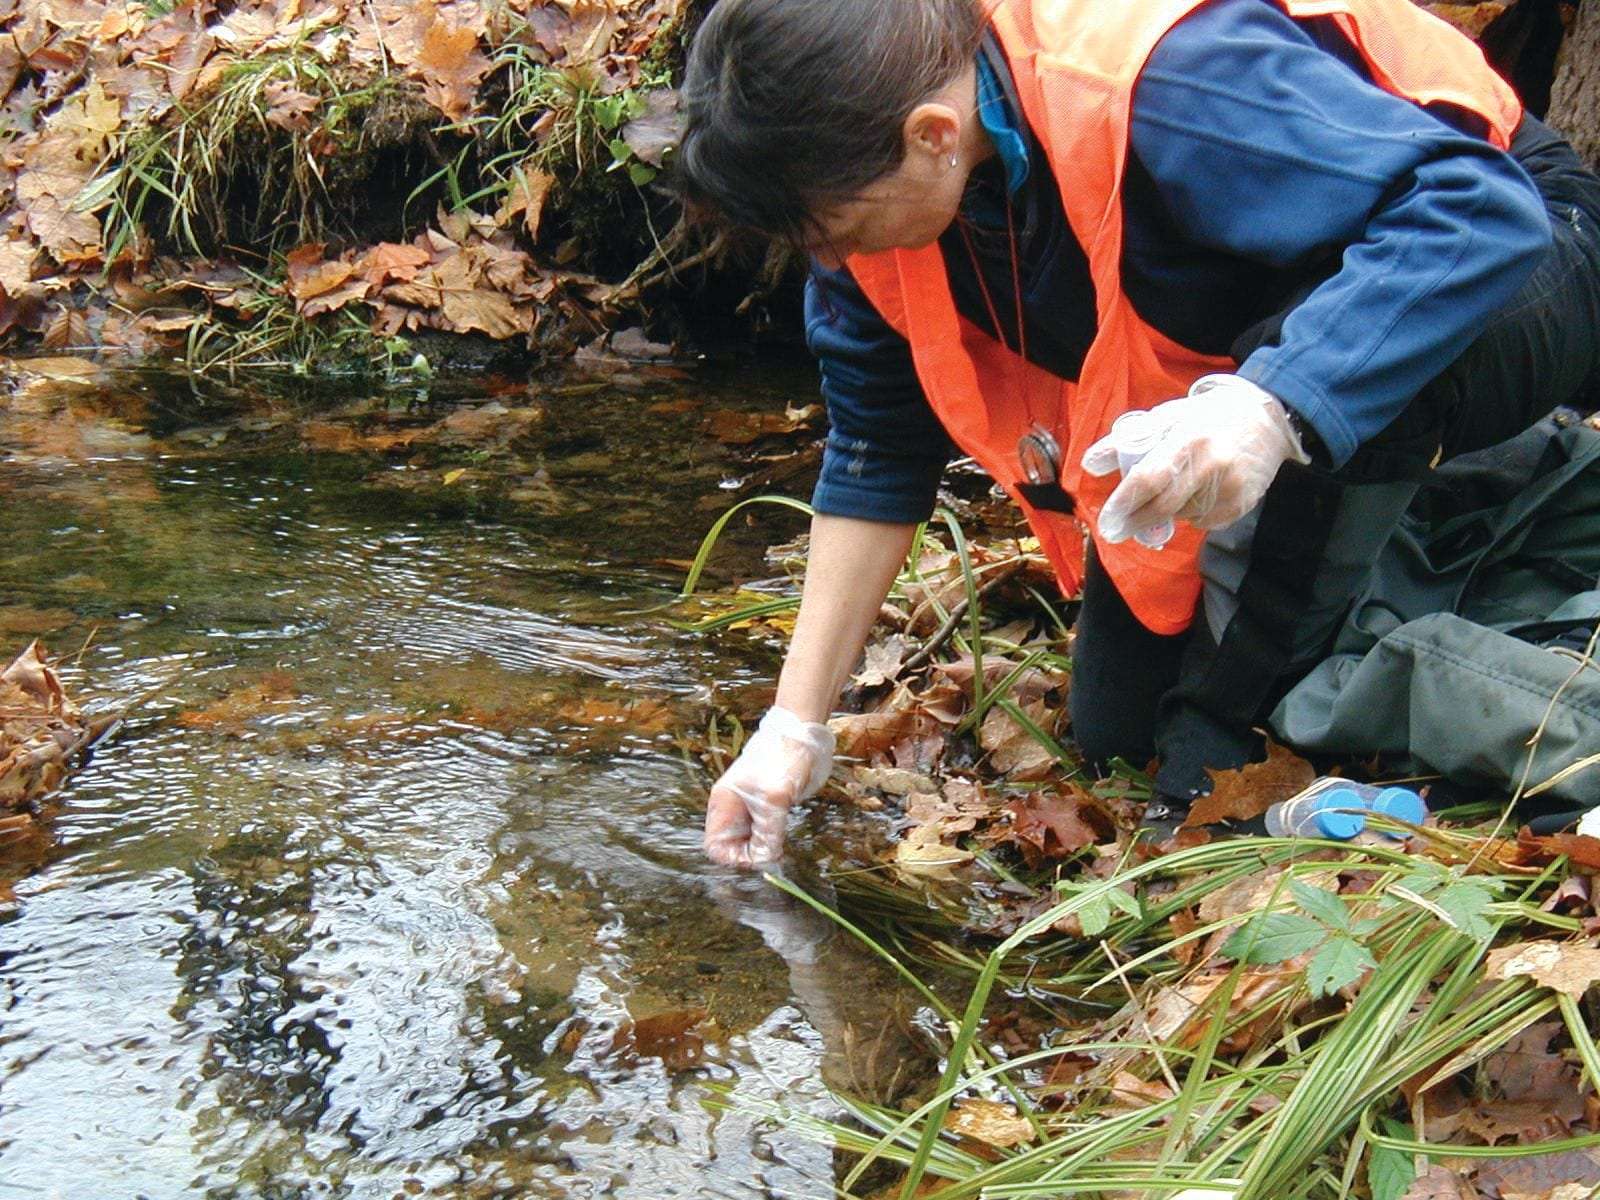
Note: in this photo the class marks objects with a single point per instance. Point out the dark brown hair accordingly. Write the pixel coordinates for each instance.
(792, 105)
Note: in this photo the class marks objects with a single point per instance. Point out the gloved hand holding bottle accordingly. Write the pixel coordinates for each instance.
(785, 760)
(1215, 453)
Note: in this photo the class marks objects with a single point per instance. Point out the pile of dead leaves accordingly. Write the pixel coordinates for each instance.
(41, 733)
(130, 134)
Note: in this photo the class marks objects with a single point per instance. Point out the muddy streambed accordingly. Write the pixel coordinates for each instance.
(391, 884)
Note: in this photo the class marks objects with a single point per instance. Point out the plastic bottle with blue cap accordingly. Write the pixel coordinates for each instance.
(1339, 810)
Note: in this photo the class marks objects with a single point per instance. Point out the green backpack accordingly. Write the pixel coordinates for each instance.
(1467, 654)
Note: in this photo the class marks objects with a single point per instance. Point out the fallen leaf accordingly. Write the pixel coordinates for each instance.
(654, 133)
(1440, 1183)
(897, 782)
(271, 693)
(1171, 1014)
(525, 198)
(997, 1125)
(881, 662)
(923, 852)
(451, 477)
(1013, 748)
(288, 107)
(1048, 826)
(734, 428)
(392, 261)
(871, 735)
(449, 66)
(1132, 1092)
(1560, 966)
(1247, 793)
(1579, 849)
(17, 259)
(1537, 1177)
(669, 1036)
(69, 329)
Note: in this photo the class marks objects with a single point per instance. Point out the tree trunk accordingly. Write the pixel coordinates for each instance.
(1575, 102)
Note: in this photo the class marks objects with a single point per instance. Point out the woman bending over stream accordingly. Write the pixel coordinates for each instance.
(1316, 245)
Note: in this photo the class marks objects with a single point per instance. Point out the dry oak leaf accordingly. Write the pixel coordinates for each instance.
(1245, 794)
(1562, 967)
(997, 1125)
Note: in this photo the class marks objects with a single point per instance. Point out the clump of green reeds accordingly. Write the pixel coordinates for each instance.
(1292, 1093)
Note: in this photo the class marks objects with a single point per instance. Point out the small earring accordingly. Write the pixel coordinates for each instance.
(952, 160)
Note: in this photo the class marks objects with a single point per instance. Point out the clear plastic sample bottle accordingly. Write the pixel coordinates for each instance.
(1337, 808)
(1135, 434)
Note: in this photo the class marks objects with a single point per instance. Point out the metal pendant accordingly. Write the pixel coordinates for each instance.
(1040, 455)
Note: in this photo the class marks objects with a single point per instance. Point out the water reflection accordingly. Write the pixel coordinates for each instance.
(399, 838)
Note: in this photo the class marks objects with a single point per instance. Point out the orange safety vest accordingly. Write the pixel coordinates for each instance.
(1075, 63)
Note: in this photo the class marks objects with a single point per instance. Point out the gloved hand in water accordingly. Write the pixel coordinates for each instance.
(785, 760)
(1219, 451)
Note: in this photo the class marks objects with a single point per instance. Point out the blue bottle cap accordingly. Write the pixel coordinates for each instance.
(1402, 804)
(1340, 814)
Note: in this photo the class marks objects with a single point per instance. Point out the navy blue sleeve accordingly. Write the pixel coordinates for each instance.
(886, 450)
(1264, 144)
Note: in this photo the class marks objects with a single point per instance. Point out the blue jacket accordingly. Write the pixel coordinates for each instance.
(1268, 176)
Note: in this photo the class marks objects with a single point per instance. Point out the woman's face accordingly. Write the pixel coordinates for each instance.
(906, 209)
(917, 201)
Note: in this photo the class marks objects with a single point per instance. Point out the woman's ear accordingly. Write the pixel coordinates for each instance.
(933, 133)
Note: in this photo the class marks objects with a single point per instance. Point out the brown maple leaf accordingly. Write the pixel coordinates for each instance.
(1245, 794)
(1048, 826)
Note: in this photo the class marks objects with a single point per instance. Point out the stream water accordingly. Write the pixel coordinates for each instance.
(390, 885)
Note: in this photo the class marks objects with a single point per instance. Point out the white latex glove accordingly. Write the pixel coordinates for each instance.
(785, 760)
(1219, 451)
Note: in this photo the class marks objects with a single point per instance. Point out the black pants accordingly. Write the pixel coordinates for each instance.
(1278, 583)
